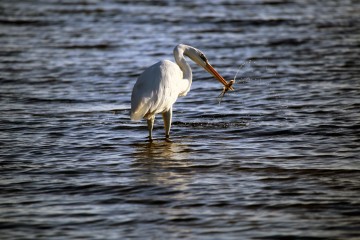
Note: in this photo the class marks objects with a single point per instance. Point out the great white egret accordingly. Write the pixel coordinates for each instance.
(159, 86)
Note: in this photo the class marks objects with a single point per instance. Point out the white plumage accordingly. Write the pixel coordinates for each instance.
(158, 93)
(159, 86)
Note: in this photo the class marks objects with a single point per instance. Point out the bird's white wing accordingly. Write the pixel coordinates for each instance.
(156, 90)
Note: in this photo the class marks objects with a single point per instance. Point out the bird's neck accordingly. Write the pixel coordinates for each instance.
(185, 68)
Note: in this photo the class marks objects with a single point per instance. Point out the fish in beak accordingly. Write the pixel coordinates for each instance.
(212, 71)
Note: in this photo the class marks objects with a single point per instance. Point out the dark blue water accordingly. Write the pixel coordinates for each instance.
(277, 159)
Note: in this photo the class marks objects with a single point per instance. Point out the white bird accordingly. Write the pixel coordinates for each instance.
(159, 86)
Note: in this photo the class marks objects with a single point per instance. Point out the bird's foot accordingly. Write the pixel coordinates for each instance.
(167, 139)
(150, 139)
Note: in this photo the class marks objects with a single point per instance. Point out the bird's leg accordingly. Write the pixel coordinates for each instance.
(150, 123)
(167, 116)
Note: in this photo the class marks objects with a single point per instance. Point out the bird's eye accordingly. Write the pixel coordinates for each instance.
(202, 56)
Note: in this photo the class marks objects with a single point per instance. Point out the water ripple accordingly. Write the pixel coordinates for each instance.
(277, 159)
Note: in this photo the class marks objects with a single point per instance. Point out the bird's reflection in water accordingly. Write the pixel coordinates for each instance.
(162, 150)
(163, 163)
(164, 173)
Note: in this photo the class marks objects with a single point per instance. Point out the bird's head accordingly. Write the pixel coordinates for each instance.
(199, 58)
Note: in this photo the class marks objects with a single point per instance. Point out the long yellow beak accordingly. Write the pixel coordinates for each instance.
(212, 71)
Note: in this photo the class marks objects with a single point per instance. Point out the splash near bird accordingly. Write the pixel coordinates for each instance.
(159, 86)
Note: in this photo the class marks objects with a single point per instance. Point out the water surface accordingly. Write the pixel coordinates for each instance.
(277, 159)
